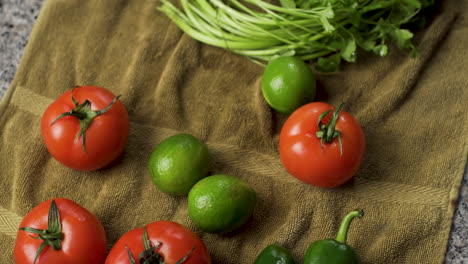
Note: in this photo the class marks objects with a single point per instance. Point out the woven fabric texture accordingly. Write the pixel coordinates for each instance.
(412, 110)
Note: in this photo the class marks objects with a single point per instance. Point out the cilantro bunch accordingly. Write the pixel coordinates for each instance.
(324, 32)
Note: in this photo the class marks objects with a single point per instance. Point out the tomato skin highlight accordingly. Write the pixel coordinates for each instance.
(106, 137)
(177, 241)
(84, 238)
(319, 163)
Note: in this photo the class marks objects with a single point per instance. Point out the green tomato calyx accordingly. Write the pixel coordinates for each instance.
(150, 255)
(343, 231)
(85, 115)
(52, 236)
(327, 132)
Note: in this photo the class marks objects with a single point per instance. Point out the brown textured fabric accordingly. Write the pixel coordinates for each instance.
(413, 112)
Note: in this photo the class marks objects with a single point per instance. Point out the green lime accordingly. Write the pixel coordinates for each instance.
(179, 162)
(221, 203)
(287, 84)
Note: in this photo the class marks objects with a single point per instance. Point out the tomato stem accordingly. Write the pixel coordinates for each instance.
(149, 255)
(343, 231)
(182, 260)
(52, 236)
(85, 116)
(327, 132)
(130, 256)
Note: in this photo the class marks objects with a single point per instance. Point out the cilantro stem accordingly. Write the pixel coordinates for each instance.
(311, 30)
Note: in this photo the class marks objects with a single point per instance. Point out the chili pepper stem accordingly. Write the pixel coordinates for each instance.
(343, 231)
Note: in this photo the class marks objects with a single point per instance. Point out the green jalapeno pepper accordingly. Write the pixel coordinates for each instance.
(275, 254)
(334, 251)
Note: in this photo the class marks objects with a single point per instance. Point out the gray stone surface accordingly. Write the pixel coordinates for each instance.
(17, 18)
(457, 251)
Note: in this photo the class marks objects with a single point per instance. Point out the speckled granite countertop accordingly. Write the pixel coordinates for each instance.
(17, 18)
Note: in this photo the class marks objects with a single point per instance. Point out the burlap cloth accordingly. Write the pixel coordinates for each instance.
(413, 112)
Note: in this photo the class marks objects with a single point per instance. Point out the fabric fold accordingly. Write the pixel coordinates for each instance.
(412, 111)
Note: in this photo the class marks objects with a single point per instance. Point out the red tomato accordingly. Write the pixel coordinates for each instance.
(101, 143)
(174, 240)
(311, 159)
(83, 237)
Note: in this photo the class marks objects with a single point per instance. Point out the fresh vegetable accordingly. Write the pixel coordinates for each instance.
(60, 231)
(287, 84)
(159, 242)
(86, 128)
(275, 254)
(179, 162)
(221, 203)
(334, 251)
(324, 32)
(321, 145)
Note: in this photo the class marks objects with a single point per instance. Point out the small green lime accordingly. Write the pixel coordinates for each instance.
(287, 84)
(221, 203)
(179, 162)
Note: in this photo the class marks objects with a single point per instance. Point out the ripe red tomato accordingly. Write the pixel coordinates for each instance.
(85, 138)
(313, 160)
(173, 243)
(79, 238)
